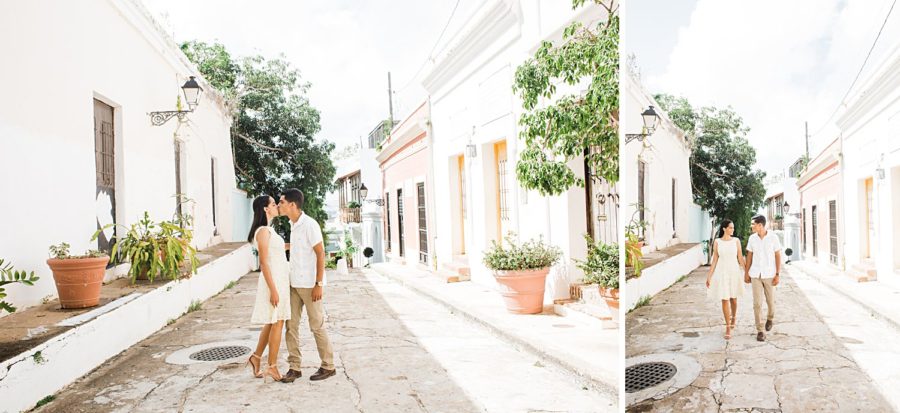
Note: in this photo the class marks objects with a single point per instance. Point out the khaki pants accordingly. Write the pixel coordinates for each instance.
(763, 287)
(301, 297)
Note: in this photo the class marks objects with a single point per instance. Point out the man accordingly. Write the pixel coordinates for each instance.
(763, 271)
(307, 284)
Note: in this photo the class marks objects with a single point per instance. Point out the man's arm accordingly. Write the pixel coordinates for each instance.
(749, 262)
(317, 291)
(777, 277)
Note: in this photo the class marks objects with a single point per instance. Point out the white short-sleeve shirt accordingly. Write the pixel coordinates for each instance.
(763, 249)
(305, 234)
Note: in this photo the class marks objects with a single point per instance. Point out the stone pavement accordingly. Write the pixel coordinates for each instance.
(394, 351)
(580, 344)
(802, 367)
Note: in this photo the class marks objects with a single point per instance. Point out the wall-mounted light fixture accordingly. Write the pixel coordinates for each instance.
(880, 173)
(651, 120)
(363, 192)
(192, 91)
(471, 152)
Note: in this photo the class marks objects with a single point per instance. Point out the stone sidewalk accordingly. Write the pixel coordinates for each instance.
(581, 344)
(802, 366)
(394, 351)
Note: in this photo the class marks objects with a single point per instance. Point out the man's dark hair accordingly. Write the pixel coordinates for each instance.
(759, 219)
(294, 195)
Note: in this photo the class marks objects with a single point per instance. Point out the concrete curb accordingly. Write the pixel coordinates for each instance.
(878, 314)
(519, 343)
(56, 363)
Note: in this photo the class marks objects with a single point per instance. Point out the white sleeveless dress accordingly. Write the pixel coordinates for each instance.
(728, 279)
(263, 311)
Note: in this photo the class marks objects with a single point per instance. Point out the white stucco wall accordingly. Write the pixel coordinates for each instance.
(871, 142)
(472, 101)
(667, 157)
(65, 55)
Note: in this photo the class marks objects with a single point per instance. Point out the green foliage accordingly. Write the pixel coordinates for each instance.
(230, 285)
(44, 401)
(274, 125)
(61, 252)
(558, 129)
(156, 248)
(9, 275)
(353, 204)
(725, 181)
(194, 306)
(515, 256)
(601, 265)
(38, 358)
(641, 302)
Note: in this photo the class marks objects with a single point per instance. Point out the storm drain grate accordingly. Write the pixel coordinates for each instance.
(220, 353)
(644, 375)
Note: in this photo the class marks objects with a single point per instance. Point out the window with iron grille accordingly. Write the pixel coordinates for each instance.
(387, 214)
(212, 174)
(423, 224)
(504, 191)
(832, 231)
(400, 222)
(105, 168)
(815, 233)
(642, 174)
(803, 229)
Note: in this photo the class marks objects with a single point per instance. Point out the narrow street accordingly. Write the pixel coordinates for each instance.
(394, 351)
(802, 366)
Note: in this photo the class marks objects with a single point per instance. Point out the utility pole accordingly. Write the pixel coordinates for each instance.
(806, 126)
(390, 103)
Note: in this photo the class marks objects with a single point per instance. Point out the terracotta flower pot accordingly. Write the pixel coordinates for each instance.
(522, 291)
(611, 295)
(78, 280)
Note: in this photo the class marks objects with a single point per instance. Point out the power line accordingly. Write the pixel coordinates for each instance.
(431, 53)
(855, 79)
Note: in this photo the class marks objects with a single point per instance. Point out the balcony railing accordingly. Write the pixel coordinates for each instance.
(778, 225)
(350, 215)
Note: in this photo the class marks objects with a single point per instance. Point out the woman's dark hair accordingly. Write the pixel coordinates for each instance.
(259, 215)
(725, 223)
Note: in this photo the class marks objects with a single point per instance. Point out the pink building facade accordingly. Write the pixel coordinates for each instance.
(821, 208)
(405, 160)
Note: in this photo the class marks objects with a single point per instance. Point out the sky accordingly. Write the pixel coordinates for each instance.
(343, 48)
(776, 63)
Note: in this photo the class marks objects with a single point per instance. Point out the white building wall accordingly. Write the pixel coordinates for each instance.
(871, 144)
(55, 67)
(472, 102)
(667, 156)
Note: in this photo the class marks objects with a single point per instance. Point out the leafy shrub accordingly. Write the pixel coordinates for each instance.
(515, 256)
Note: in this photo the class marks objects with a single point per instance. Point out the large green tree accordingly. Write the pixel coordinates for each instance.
(558, 128)
(725, 180)
(273, 134)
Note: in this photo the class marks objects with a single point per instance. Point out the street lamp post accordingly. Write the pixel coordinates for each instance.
(651, 120)
(192, 91)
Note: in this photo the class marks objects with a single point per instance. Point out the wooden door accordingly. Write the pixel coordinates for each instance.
(870, 219)
(461, 164)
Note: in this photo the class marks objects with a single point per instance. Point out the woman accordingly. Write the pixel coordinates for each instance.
(726, 278)
(273, 289)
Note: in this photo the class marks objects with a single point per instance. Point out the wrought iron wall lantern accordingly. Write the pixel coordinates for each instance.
(363, 191)
(471, 152)
(651, 120)
(192, 91)
(786, 207)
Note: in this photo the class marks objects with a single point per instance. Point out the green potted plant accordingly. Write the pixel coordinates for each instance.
(634, 241)
(521, 270)
(349, 249)
(9, 275)
(78, 278)
(353, 204)
(156, 249)
(601, 267)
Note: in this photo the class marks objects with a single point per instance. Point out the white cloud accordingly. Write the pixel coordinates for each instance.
(344, 48)
(776, 63)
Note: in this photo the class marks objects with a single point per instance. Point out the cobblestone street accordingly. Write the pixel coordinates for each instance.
(394, 351)
(801, 367)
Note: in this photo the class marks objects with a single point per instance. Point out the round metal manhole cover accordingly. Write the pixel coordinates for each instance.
(220, 353)
(645, 375)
